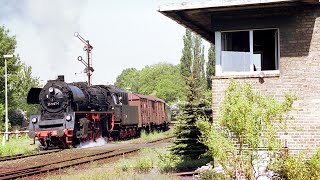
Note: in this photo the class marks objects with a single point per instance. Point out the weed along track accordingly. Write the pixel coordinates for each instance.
(60, 161)
(52, 166)
(20, 156)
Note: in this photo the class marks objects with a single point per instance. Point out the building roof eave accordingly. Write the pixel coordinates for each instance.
(225, 3)
(198, 16)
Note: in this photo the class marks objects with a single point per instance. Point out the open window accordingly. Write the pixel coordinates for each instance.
(246, 51)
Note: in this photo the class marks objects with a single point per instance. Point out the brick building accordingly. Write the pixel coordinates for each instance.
(273, 44)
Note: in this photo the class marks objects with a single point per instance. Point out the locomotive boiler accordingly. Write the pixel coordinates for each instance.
(75, 112)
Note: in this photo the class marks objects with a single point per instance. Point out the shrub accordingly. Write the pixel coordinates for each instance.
(297, 167)
(167, 162)
(143, 165)
(249, 119)
(124, 165)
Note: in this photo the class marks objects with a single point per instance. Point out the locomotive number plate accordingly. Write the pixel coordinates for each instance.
(53, 104)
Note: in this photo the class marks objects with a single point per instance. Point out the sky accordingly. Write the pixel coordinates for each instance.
(123, 33)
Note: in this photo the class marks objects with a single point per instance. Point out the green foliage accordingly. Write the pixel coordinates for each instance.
(128, 79)
(2, 113)
(170, 162)
(186, 59)
(297, 167)
(19, 79)
(186, 145)
(210, 66)
(192, 59)
(198, 59)
(23, 82)
(143, 165)
(148, 159)
(19, 145)
(249, 119)
(191, 163)
(122, 169)
(145, 137)
(162, 80)
(151, 136)
(250, 116)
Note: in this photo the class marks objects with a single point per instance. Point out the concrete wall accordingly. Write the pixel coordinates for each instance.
(191, 4)
(299, 66)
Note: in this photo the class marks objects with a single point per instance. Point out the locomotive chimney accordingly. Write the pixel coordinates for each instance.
(60, 78)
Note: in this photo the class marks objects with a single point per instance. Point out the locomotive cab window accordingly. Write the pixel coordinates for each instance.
(115, 99)
(247, 51)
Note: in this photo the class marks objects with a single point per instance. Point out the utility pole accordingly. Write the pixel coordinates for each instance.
(89, 69)
(6, 96)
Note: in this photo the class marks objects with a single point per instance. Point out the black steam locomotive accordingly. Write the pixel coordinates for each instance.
(75, 112)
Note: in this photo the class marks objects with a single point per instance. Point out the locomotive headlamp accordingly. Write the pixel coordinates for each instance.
(34, 120)
(68, 118)
(51, 89)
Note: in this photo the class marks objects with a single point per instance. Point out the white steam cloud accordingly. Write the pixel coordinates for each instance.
(123, 34)
(45, 28)
(99, 142)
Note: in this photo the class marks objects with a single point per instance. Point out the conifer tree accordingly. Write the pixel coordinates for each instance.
(186, 144)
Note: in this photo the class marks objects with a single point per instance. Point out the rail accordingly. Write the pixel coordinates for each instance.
(20, 156)
(72, 161)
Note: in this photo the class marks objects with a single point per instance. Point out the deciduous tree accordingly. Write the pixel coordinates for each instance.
(162, 80)
(210, 66)
(19, 77)
(128, 79)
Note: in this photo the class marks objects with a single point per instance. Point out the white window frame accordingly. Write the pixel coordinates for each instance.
(218, 49)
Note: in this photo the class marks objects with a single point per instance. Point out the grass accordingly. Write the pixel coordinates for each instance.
(145, 137)
(154, 135)
(97, 174)
(172, 163)
(146, 165)
(150, 163)
(17, 145)
(143, 163)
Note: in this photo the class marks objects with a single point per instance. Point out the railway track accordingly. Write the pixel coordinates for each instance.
(65, 163)
(20, 156)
